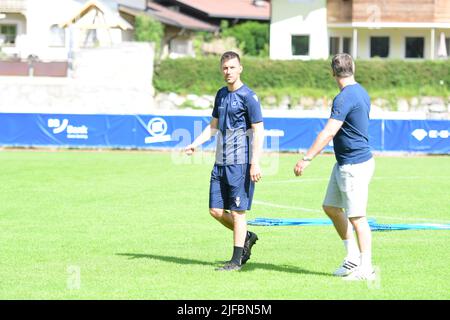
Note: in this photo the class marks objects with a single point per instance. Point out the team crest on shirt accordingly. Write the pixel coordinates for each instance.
(238, 201)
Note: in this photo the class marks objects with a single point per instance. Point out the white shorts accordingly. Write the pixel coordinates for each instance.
(349, 187)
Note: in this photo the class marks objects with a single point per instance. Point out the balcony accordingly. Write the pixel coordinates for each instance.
(339, 11)
(371, 11)
(13, 6)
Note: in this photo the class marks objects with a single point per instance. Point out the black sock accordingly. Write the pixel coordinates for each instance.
(237, 255)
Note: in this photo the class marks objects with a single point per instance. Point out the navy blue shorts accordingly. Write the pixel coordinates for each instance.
(231, 187)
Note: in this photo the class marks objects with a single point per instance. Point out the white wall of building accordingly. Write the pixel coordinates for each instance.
(397, 40)
(114, 80)
(309, 17)
(35, 35)
(298, 17)
(41, 16)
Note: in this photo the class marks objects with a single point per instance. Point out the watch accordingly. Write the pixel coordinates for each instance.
(306, 159)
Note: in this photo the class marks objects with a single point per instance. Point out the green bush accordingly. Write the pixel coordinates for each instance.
(149, 30)
(398, 78)
(252, 37)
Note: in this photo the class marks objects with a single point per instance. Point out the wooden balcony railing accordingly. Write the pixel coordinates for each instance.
(344, 11)
(8, 6)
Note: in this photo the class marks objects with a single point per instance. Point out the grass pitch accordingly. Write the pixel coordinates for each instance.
(135, 225)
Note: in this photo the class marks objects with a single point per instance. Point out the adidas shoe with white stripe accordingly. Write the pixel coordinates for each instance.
(346, 268)
(362, 274)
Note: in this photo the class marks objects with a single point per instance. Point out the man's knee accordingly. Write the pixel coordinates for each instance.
(238, 214)
(332, 211)
(216, 213)
(358, 221)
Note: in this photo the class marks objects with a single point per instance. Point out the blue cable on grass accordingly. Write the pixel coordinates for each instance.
(374, 226)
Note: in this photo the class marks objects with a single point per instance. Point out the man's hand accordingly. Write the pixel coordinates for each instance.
(300, 167)
(189, 150)
(255, 172)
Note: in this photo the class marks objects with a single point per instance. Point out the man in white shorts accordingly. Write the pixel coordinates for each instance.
(347, 194)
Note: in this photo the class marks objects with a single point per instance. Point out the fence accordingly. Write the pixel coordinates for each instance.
(34, 68)
(165, 132)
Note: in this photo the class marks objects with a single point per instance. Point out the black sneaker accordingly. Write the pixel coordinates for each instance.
(249, 242)
(230, 266)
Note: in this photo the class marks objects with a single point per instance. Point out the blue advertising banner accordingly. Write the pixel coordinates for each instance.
(428, 136)
(163, 132)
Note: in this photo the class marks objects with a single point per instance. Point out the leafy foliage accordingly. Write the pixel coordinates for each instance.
(404, 78)
(252, 37)
(149, 30)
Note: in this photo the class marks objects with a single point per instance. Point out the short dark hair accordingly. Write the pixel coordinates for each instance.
(342, 65)
(228, 56)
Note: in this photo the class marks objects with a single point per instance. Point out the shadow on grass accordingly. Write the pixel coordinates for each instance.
(250, 266)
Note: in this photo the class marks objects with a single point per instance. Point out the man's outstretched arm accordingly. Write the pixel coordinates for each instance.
(322, 140)
(207, 133)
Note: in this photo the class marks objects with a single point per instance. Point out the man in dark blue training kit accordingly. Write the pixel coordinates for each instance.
(348, 187)
(238, 118)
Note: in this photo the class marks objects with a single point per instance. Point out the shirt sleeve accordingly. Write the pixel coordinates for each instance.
(254, 108)
(340, 109)
(215, 112)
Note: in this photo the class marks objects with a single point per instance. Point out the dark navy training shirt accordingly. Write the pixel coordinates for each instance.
(351, 143)
(236, 111)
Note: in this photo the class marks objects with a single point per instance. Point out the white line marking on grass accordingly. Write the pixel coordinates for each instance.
(374, 178)
(411, 219)
(411, 178)
(268, 204)
(274, 205)
(296, 180)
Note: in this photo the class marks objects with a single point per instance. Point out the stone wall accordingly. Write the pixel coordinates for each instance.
(429, 107)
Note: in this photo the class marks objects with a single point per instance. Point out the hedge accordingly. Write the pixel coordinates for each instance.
(203, 76)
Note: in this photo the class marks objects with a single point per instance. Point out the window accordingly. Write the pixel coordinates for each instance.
(414, 47)
(8, 33)
(334, 45)
(379, 47)
(180, 46)
(57, 36)
(300, 45)
(347, 44)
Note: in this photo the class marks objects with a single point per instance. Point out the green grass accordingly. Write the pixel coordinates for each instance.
(136, 225)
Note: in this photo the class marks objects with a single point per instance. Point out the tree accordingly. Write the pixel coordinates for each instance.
(148, 29)
(252, 37)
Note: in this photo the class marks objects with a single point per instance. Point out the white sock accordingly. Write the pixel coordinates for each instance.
(366, 260)
(352, 249)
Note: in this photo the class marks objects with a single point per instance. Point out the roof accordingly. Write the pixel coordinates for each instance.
(138, 4)
(170, 17)
(109, 19)
(236, 9)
